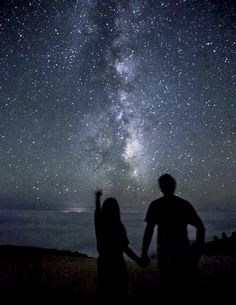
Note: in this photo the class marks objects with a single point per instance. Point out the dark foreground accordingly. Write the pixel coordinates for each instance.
(39, 276)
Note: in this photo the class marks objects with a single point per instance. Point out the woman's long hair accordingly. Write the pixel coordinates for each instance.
(110, 211)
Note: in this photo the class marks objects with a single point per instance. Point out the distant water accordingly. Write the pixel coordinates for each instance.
(73, 229)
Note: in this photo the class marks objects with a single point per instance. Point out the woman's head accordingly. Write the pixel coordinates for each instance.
(110, 210)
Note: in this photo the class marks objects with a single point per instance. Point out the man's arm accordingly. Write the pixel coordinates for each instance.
(196, 221)
(200, 235)
(147, 237)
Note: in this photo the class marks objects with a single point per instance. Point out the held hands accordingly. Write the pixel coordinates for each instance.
(144, 261)
(197, 249)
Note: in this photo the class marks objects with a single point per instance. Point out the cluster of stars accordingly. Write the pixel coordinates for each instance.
(112, 94)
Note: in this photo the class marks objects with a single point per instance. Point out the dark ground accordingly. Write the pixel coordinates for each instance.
(38, 276)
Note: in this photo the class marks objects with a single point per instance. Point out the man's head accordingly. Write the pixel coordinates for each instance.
(167, 184)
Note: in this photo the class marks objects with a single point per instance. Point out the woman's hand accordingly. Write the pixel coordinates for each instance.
(98, 193)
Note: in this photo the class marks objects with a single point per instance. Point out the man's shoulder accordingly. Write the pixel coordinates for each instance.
(185, 203)
(163, 200)
(156, 202)
(152, 210)
(169, 198)
(177, 198)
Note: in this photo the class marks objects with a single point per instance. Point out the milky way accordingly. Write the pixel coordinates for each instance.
(112, 94)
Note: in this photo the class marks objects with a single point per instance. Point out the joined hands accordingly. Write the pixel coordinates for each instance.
(144, 261)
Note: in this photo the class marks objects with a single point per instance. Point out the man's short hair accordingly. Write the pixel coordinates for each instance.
(167, 183)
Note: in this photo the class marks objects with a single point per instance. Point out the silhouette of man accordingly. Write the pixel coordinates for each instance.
(172, 215)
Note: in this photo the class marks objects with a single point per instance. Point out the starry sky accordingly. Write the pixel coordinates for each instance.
(112, 94)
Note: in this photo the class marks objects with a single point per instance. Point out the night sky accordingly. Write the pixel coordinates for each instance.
(113, 94)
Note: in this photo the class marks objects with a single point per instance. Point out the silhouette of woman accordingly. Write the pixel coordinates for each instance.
(112, 243)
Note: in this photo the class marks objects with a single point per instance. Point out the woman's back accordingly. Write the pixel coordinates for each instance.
(112, 239)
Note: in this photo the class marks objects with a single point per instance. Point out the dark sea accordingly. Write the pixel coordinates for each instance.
(73, 229)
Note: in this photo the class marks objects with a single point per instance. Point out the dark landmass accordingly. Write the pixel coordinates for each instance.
(30, 251)
(33, 275)
(226, 245)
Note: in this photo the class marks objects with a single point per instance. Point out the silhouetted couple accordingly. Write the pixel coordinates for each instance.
(177, 262)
